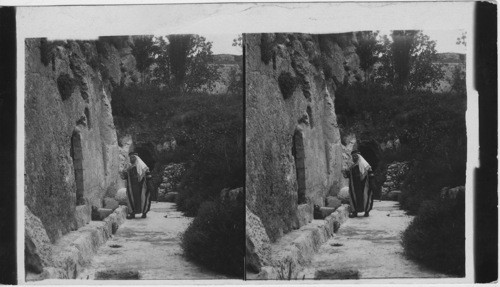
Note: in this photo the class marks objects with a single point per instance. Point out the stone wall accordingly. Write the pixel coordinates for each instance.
(293, 147)
(71, 150)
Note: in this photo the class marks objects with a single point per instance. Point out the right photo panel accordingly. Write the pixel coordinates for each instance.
(356, 151)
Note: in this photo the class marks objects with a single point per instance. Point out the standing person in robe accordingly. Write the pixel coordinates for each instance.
(137, 175)
(361, 195)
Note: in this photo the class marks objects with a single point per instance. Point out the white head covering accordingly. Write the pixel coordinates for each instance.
(364, 166)
(142, 168)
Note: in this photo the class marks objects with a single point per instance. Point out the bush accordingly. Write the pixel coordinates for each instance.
(436, 236)
(216, 237)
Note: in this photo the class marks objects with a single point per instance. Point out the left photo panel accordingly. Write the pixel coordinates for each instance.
(134, 158)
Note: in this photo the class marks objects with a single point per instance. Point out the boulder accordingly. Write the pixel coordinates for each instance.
(258, 249)
(37, 245)
(171, 196)
(121, 196)
(100, 213)
(343, 195)
(333, 201)
(82, 215)
(110, 203)
(304, 214)
(325, 211)
(267, 273)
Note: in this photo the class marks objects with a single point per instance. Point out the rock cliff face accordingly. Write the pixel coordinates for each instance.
(71, 150)
(294, 151)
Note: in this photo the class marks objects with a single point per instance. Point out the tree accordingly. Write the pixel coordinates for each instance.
(458, 81)
(143, 52)
(238, 42)
(235, 82)
(190, 58)
(462, 39)
(201, 72)
(161, 72)
(408, 61)
(368, 49)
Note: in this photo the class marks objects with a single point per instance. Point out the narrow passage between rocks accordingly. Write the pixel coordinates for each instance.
(147, 249)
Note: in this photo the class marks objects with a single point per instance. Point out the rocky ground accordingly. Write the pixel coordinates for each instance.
(147, 249)
(368, 248)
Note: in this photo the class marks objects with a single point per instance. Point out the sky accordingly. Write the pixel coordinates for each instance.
(223, 43)
(445, 41)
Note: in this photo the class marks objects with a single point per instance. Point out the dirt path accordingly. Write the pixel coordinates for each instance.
(370, 246)
(149, 248)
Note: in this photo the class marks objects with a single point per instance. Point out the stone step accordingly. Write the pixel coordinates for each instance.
(75, 250)
(294, 250)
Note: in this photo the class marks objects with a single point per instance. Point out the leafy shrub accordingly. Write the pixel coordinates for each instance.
(216, 237)
(436, 236)
(287, 84)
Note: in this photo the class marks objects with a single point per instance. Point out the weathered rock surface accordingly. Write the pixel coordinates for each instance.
(73, 251)
(37, 249)
(304, 214)
(343, 195)
(294, 153)
(333, 201)
(82, 215)
(121, 196)
(69, 128)
(103, 213)
(292, 252)
(258, 252)
(110, 203)
(325, 211)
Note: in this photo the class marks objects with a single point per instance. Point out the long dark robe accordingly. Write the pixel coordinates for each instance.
(359, 190)
(138, 194)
